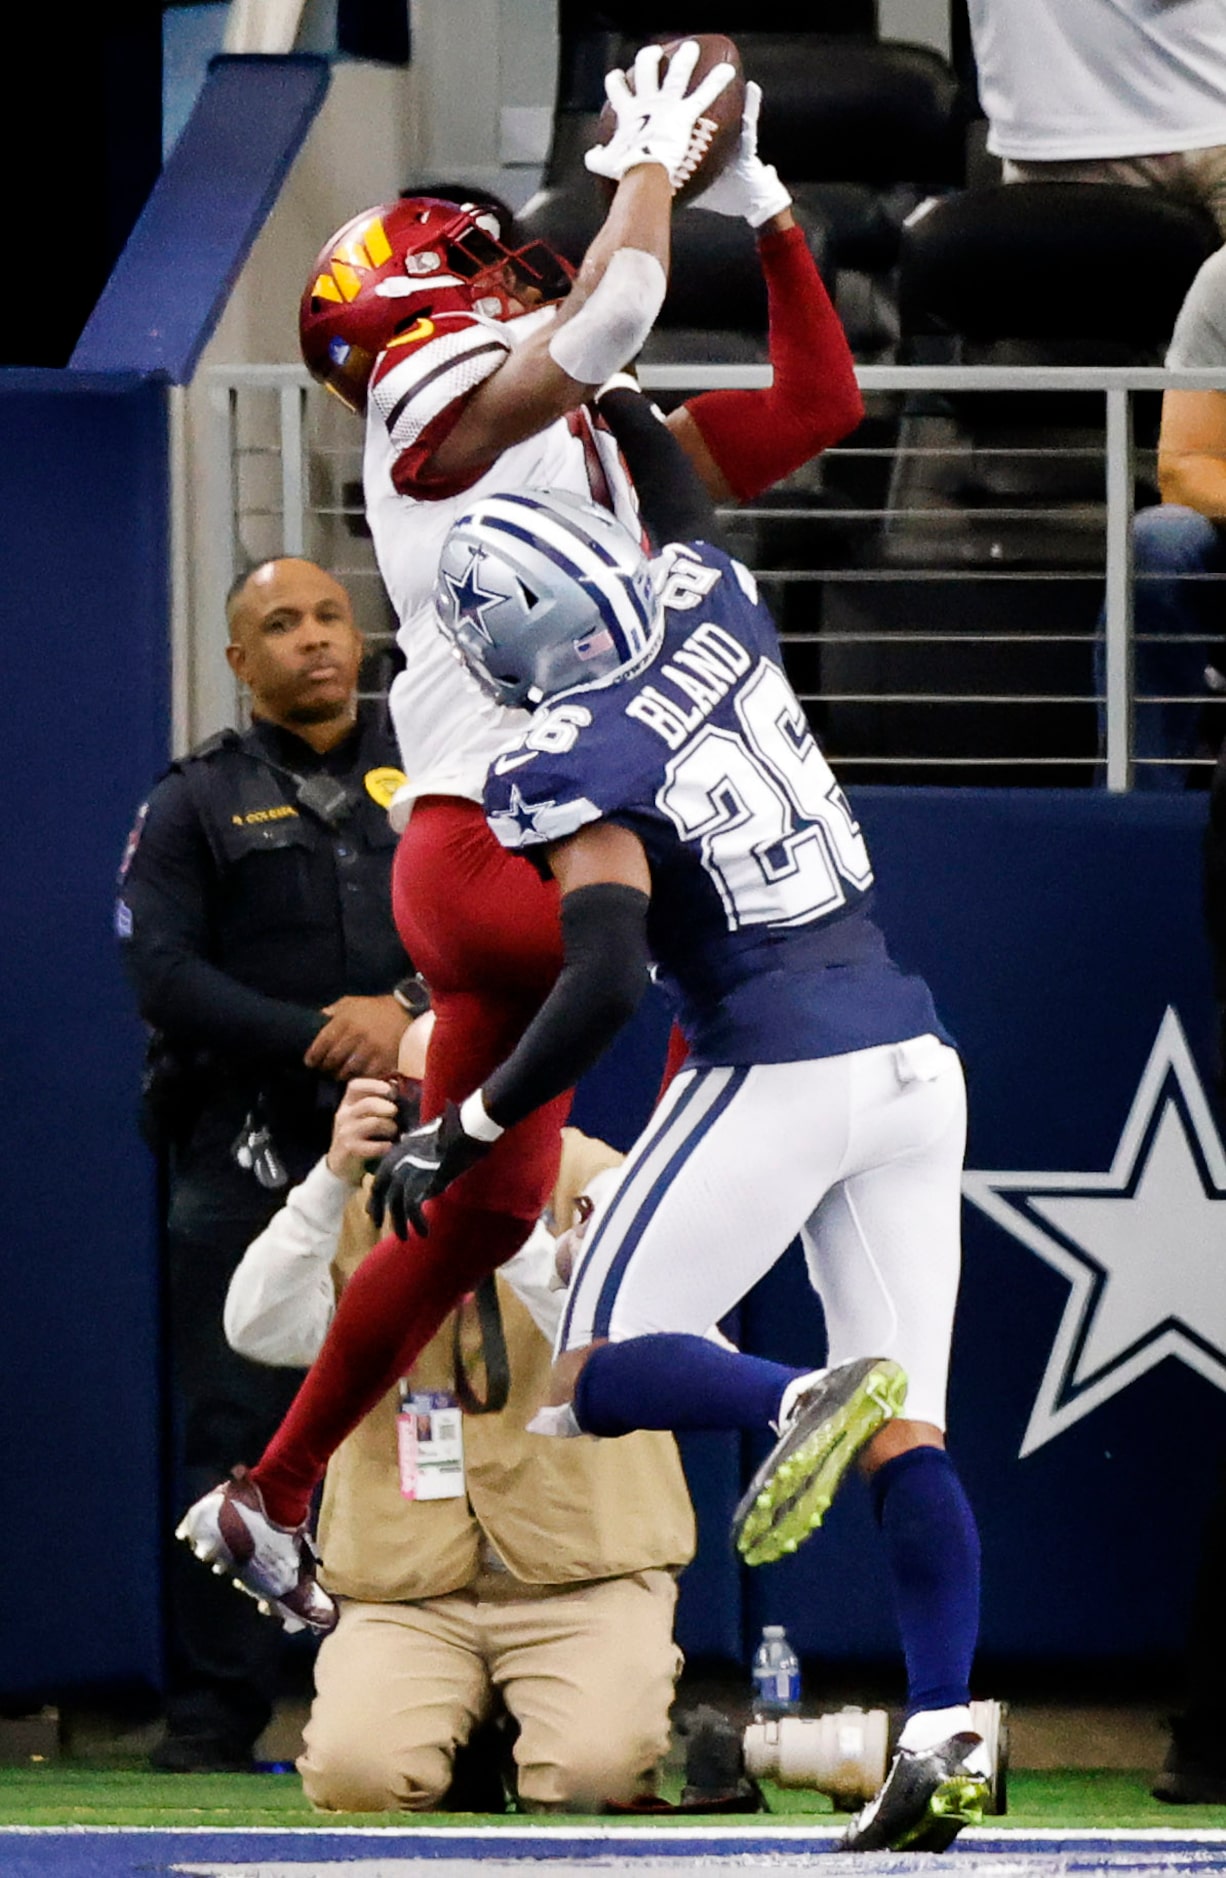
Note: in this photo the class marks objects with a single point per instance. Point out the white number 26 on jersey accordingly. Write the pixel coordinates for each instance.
(773, 828)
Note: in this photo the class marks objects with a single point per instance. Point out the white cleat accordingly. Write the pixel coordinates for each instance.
(230, 1530)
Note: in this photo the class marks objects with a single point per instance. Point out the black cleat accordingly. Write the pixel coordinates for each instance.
(928, 1796)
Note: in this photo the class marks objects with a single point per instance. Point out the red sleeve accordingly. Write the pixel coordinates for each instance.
(759, 437)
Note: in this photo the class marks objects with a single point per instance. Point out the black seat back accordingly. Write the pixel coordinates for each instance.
(995, 520)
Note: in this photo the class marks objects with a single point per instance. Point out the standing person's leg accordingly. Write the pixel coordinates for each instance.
(884, 1251)
(711, 1196)
(223, 1658)
(1194, 1771)
(1177, 625)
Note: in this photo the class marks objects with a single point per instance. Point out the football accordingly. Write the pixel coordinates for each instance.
(724, 112)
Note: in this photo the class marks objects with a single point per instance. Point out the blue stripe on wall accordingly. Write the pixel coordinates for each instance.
(170, 284)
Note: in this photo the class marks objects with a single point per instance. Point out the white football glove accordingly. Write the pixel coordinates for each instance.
(748, 187)
(657, 122)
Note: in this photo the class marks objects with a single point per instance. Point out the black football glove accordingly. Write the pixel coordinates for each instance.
(420, 1165)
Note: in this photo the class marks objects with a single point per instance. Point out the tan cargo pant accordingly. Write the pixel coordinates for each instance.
(587, 1671)
(1189, 176)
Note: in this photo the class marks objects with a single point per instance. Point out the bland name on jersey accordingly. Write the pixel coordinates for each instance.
(759, 923)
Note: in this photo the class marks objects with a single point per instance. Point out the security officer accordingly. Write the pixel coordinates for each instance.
(255, 916)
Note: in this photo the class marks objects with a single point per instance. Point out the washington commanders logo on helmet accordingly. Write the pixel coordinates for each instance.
(365, 249)
(390, 272)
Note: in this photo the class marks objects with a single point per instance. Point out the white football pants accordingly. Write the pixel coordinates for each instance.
(859, 1154)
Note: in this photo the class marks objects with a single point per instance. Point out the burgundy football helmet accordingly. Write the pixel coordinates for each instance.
(410, 260)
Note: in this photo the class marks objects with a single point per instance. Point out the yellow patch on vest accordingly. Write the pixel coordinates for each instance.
(382, 784)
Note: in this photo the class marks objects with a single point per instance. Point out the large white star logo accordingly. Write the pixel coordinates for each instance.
(1143, 1246)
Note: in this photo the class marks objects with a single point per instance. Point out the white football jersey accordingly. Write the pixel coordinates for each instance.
(447, 729)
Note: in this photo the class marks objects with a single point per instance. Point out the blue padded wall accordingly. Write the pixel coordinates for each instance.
(83, 727)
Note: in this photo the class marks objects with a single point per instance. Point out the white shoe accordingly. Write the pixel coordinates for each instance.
(229, 1529)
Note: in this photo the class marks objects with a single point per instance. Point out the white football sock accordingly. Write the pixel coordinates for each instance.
(931, 1725)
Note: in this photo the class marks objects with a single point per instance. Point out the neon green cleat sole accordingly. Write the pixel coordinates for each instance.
(957, 1803)
(791, 1492)
(928, 1797)
(963, 1800)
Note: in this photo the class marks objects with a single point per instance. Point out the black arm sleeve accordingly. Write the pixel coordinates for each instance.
(178, 988)
(675, 502)
(603, 977)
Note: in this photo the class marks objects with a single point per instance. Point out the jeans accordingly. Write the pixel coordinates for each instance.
(1188, 616)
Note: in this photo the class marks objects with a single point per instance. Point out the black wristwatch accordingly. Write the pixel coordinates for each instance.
(413, 995)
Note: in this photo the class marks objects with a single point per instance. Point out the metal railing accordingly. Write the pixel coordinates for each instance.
(954, 586)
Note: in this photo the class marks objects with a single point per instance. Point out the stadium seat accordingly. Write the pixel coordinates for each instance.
(715, 309)
(861, 130)
(990, 489)
(595, 35)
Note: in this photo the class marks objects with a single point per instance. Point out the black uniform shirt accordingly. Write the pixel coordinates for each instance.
(244, 910)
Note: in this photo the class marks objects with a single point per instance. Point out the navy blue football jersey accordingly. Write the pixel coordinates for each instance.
(760, 877)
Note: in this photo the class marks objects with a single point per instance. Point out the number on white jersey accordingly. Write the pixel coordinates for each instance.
(773, 828)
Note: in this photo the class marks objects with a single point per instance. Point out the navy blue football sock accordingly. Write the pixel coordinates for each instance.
(671, 1380)
(933, 1547)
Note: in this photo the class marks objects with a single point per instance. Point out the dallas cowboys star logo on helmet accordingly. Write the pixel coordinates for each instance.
(470, 597)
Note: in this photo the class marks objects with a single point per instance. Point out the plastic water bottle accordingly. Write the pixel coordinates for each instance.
(776, 1676)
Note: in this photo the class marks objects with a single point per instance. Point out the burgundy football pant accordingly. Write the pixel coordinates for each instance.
(482, 928)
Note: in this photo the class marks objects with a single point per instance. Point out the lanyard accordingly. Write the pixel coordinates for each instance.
(493, 1350)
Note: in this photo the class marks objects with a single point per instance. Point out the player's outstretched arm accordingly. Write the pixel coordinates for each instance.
(742, 442)
(606, 889)
(621, 282)
(602, 323)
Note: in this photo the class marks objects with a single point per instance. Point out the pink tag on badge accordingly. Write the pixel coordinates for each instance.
(430, 1446)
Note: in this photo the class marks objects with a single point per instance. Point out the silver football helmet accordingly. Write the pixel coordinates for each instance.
(539, 592)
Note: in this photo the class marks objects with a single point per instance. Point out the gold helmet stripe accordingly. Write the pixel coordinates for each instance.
(348, 279)
(378, 246)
